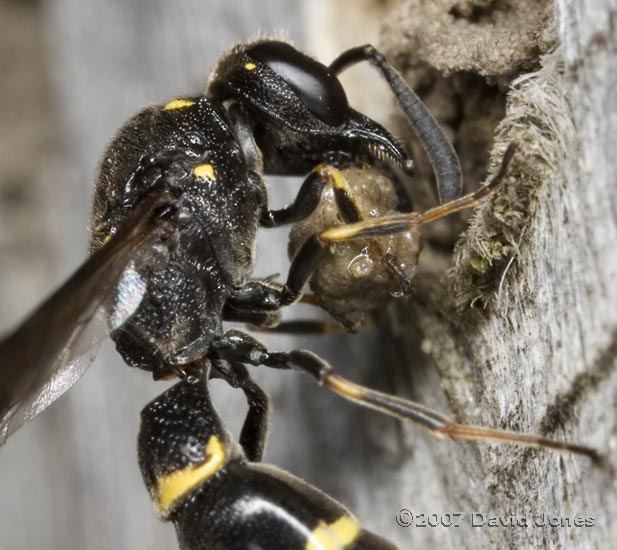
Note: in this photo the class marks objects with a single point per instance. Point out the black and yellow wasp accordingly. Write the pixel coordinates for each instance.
(180, 196)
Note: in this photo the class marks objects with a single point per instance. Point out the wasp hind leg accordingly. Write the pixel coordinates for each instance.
(240, 347)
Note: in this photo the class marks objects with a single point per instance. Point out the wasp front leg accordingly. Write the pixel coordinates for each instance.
(389, 225)
(268, 296)
(258, 296)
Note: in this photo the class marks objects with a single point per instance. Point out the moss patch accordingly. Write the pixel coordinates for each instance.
(538, 119)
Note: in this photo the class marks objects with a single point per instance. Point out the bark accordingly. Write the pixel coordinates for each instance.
(519, 332)
(523, 334)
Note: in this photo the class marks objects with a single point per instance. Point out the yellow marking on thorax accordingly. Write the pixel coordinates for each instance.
(204, 171)
(333, 536)
(250, 66)
(171, 487)
(178, 104)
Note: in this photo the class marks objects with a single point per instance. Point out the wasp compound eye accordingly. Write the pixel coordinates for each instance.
(317, 87)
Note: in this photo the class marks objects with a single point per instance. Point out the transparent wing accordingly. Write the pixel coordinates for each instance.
(51, 349)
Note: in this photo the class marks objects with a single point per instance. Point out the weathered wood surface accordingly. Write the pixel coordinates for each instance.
(70, 479)
(538, 351)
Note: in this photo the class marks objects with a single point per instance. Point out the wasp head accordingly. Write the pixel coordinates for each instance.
(298, 110)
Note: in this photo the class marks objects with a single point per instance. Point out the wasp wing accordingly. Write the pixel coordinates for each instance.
(50, 350)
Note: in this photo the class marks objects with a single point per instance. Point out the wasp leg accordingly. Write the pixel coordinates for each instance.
(259, 295)
(439, 150)
(261, 319)
(346, 202)
(309, 326)
(387, 225)
(238, 346)
(255, 428)
(268, 296)
(310, 192)
(309, 196)
(305, 202)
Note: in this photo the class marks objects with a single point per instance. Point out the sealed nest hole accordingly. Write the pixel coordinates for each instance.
(477, 64)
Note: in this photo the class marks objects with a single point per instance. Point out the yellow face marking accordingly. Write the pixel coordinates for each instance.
(334, 536)
(250, 66)
(178, 104)
(171, 487)
(106, 240)
(204, 171)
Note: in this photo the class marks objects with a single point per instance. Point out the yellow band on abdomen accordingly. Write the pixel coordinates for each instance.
(171, 487)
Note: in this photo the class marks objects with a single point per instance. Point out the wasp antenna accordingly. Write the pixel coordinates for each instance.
(435, 143)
